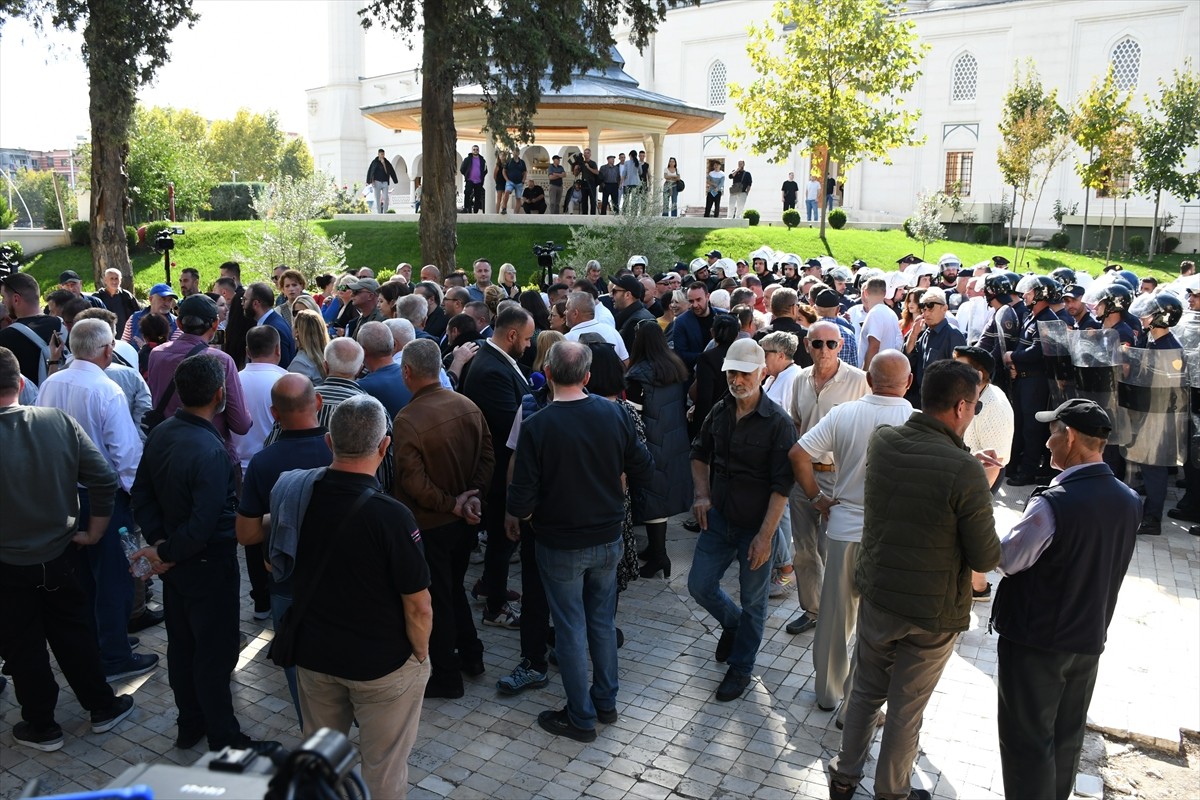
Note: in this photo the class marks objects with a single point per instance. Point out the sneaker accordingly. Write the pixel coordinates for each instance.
(506, 617)
(46, 739)
(981, 595)
(559, 724)
(732, 686)
(781, 584)
(262, 610)
(105, 721)
(522, 678)
(476, 556)
(139, 664)
(478, 592)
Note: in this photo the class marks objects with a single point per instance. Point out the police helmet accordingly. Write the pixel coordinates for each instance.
(858, 264)
(1064, 275)
(1043, 287)
(949, 261)
(998, 286)
(1129, 279)
(1163, 309)
(1116, 297)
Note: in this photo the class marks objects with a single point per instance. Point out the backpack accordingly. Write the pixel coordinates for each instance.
(43, 346)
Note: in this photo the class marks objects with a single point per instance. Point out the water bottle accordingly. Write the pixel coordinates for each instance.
(129, 543)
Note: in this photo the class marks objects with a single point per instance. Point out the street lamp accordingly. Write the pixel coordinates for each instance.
(233, 172)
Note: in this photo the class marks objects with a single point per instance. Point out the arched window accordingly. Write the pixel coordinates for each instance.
(1126, 62)
(963, 79)
(718, 89)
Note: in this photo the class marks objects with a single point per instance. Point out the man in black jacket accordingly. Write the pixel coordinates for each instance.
(184, 501)
(474, 172)
(496, 384)
(379, 175)
(627, 293)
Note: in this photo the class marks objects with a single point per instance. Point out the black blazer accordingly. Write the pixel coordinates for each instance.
(497, 388)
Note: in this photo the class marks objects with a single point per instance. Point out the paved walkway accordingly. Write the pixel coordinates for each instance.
(673, 740)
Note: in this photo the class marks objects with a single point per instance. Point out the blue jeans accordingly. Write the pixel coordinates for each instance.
(671, 201)
(104, 575)
(716, 549)
(783, 549)
(581, 590)
(810, 210)
(279, 606)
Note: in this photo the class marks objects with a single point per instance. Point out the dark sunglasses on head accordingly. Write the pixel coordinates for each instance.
(830, 343)
(927, 306)
(343, 288)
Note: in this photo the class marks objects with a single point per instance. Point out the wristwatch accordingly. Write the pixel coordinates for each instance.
(813, 499)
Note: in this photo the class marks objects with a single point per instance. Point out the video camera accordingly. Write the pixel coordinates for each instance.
(546, 254)
(321, 769)
(164, 240)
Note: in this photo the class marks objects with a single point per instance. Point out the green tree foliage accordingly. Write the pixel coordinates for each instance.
(835, 79)
(125, 42)
(289, 236)
(42, 192)
(1101, 125)
(250, 143)
(508, 47)
(641, 229)
(925, 225)
(295, 161)
(167, 146)
(1034, 141)
(1166, 134)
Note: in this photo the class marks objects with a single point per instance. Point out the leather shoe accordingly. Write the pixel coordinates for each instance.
(725, 644)
(1021, 480)
(607, 717)
(186, 739)
(559, 724)
(802, 623)
(732, 686)
(472, 666)
(147, 619)
(1194, 530)
(433, 690)
(691, 525)
(1185, 514)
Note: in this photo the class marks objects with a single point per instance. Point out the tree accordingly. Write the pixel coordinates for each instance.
(1034, 141)
(640, 229)
(166, 146)
(125, 42)
(925, 225)
(834, 81)
(296, 161)
(250, 144)
(1166, 133)
(508, 47)
(1097, 122)
(288, 235)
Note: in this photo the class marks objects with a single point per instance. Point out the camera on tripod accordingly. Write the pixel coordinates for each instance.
(546, 254)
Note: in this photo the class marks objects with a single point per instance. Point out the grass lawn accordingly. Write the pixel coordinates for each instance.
(383, 245)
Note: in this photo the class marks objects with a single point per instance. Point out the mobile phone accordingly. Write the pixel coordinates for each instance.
(55, 341)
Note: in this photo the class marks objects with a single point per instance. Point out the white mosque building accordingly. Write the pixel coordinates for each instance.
(975, 47)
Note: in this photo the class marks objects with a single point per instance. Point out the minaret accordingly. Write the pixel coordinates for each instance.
(335, 125)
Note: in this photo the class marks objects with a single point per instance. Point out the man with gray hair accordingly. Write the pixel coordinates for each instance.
(444, 464)
(124, 371)
(383, 380)
(362, 643)
(85, 393)
(435, 317)
(581, 319)
(415, 309)
(578, 533)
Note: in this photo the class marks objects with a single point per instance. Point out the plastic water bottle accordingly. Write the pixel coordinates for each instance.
(130, 544)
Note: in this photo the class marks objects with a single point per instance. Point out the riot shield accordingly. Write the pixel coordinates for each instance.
(1057, 356)
(1188, 334)
(1153, 394)
(1096, 359)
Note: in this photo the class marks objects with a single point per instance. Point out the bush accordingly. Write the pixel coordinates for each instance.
(131, 238)
(791, 218)
(81, 232)
(233, 201)
(751, 215)
(155, 228)
(1060, 240)
(384, 275)
(837, 219)
(1137, 245)
(1169, 244)
(908, 228)
(17, 249)
(983, 234)
(7, 216)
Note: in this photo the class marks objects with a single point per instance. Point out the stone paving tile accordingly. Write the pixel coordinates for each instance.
(672, 739)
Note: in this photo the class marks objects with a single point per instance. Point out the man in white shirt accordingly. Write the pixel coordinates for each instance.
(581, 318)
(124, 370)
(880, 328)
(972, 314)
(812, 193)
(844, 432)
(258, 376)
(99, 406)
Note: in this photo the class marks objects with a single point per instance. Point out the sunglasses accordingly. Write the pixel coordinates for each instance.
(927, 306)
(830, 343)
(343, 288)
(978, 406)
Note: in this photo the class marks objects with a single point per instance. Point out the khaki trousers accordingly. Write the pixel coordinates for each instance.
(835, 625)
(899, 663)
(388, 710)
(808, 535)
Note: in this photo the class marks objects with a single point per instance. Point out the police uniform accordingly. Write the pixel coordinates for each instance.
(1087, 323)
(1000, 335)
(1031, 394)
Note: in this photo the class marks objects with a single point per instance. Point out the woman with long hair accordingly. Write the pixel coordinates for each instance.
(911, 312)
(676, 303)
(389, 294)
(656, 381)
(671, 188)
(532, 302)
(492, 295)
(508, 281)
(311, 338)
(558, 317)
(346, 312)
(304, 302)
(546, 340)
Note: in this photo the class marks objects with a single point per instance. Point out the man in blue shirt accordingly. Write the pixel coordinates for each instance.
(931, 339)
(383, 380)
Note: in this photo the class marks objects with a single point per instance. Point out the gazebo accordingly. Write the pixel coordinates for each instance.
(601, 106)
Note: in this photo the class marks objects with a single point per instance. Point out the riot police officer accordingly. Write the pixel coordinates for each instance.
(1003, 327)
(1112, 310)
(1027, 367)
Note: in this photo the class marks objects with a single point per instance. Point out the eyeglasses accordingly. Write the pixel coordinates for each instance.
(927, 306)
(343, 288)
(978, 406)
(830, 343)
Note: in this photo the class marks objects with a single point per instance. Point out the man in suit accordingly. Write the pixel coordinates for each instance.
(693, 328)
(259, 305)
(496, 383)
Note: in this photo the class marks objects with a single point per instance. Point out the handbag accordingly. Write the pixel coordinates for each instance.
(283, 647)
(679, 185)
(157, 415)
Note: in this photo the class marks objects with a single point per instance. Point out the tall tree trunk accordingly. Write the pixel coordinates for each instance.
(110, 108)
(439, 213)
(1154, 225)
(1087, 195)
(1112, 229)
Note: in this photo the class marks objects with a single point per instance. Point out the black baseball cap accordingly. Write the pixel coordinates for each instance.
(660, 277)
(813, 263)
(978, 356)
(631, 285)
(827, 298)
(1085, 416)
(713, 254)
(69, 275)
(199, 305)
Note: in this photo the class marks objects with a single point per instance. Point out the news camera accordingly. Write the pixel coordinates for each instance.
(546, 254)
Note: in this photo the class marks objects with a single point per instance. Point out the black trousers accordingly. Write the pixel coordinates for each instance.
(201, 601)
(499, 549)
(472, 197)
(535, 611)
(260, 579)
(1032, 395)
(610, 198)
(712, 202)
(589, 199)
(1043, 703)
(44, 604)
(453, 638)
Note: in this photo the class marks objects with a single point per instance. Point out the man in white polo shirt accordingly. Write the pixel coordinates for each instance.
(581, 318)
(880, 328)
(844, 432)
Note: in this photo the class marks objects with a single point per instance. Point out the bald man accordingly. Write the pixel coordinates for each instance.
(301, 445)
(844, 431)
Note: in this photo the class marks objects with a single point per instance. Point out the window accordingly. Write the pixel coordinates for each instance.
(963, 79)
(959, 166)
(1126, 62)
(1120, 186)
(718, 89)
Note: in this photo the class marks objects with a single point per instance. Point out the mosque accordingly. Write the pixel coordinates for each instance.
(672, 100)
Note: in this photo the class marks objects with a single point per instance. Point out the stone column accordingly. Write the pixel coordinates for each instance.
(489, 186)
(658, 164)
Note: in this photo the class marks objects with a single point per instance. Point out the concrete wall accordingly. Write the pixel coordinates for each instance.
(37, 240)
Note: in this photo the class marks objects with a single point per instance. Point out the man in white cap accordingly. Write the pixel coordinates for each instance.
(744, 443)
(931, 339)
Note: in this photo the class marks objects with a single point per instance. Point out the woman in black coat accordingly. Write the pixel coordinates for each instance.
(656, 382)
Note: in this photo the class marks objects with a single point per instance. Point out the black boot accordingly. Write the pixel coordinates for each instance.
(656, 551)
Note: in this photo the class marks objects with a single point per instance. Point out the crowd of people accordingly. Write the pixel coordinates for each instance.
(835, 431)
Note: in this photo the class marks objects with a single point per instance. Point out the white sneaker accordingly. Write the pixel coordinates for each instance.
(477, 555)
(781, 584)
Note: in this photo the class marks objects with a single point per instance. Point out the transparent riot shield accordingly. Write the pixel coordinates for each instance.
(1096, 359)
(1188, 334)
(1057, 355)
(1153, 394)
